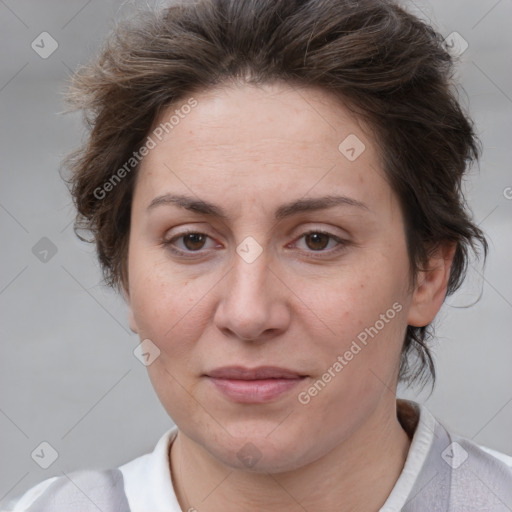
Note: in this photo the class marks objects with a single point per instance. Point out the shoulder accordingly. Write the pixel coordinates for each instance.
(476, 478)
(79, 491)
(20, 504)
(449, 473)
(480, 477)
(506, 459)
(141, 482)
(464, 453)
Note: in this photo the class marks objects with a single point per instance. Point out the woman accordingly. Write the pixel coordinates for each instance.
(274, 187)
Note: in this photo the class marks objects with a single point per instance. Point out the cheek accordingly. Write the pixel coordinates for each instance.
(168, 306)
(171, 312)
(358, 296)
(359, 361)
(363, 313)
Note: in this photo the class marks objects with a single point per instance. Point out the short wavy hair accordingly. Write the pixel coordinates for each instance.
(387, 66)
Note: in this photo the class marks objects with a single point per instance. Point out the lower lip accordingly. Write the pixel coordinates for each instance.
(255, 391)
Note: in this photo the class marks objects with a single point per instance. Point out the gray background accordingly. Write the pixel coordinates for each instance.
(68, 375)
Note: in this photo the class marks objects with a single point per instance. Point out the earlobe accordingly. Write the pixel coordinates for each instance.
(133, 323)
(430, 290)
(131, 316)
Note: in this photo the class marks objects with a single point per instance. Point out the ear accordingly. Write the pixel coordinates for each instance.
(131, 316)
(133, 323)
(431, 284)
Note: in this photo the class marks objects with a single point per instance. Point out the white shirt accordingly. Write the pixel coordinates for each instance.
(148, 485)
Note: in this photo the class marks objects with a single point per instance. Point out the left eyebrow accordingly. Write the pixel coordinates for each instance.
(285, 210)
(317, 203)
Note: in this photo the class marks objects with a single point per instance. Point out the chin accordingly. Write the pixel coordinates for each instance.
(256, 446)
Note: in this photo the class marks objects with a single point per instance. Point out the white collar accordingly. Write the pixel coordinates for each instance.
(147, 479)
(418, 451)
(148, 484)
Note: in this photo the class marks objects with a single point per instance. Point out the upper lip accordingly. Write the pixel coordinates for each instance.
(261, 372)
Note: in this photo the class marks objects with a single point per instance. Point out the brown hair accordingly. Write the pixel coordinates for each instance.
(386, 65)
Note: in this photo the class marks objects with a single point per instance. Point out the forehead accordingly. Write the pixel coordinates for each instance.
(256, 142)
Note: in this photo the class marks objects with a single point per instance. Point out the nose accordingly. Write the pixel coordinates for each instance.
(253, 305)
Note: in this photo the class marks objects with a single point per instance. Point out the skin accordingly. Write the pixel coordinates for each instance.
(296, 306)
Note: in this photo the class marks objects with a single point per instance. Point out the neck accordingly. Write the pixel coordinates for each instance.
(372, 458)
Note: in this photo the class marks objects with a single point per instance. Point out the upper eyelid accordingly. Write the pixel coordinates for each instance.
(302, 233)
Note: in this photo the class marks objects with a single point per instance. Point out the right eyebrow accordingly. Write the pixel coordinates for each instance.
(189, 203)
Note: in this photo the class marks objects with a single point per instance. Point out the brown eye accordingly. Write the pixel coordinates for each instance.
(194, 241)
(317, 241)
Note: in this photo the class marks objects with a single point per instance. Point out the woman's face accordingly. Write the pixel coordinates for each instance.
(295, 266)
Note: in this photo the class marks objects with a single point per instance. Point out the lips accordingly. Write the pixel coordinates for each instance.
(262, 372)
(254, 385)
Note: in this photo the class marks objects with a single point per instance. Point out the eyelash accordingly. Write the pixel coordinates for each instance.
(180, 252)
(341, 244)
